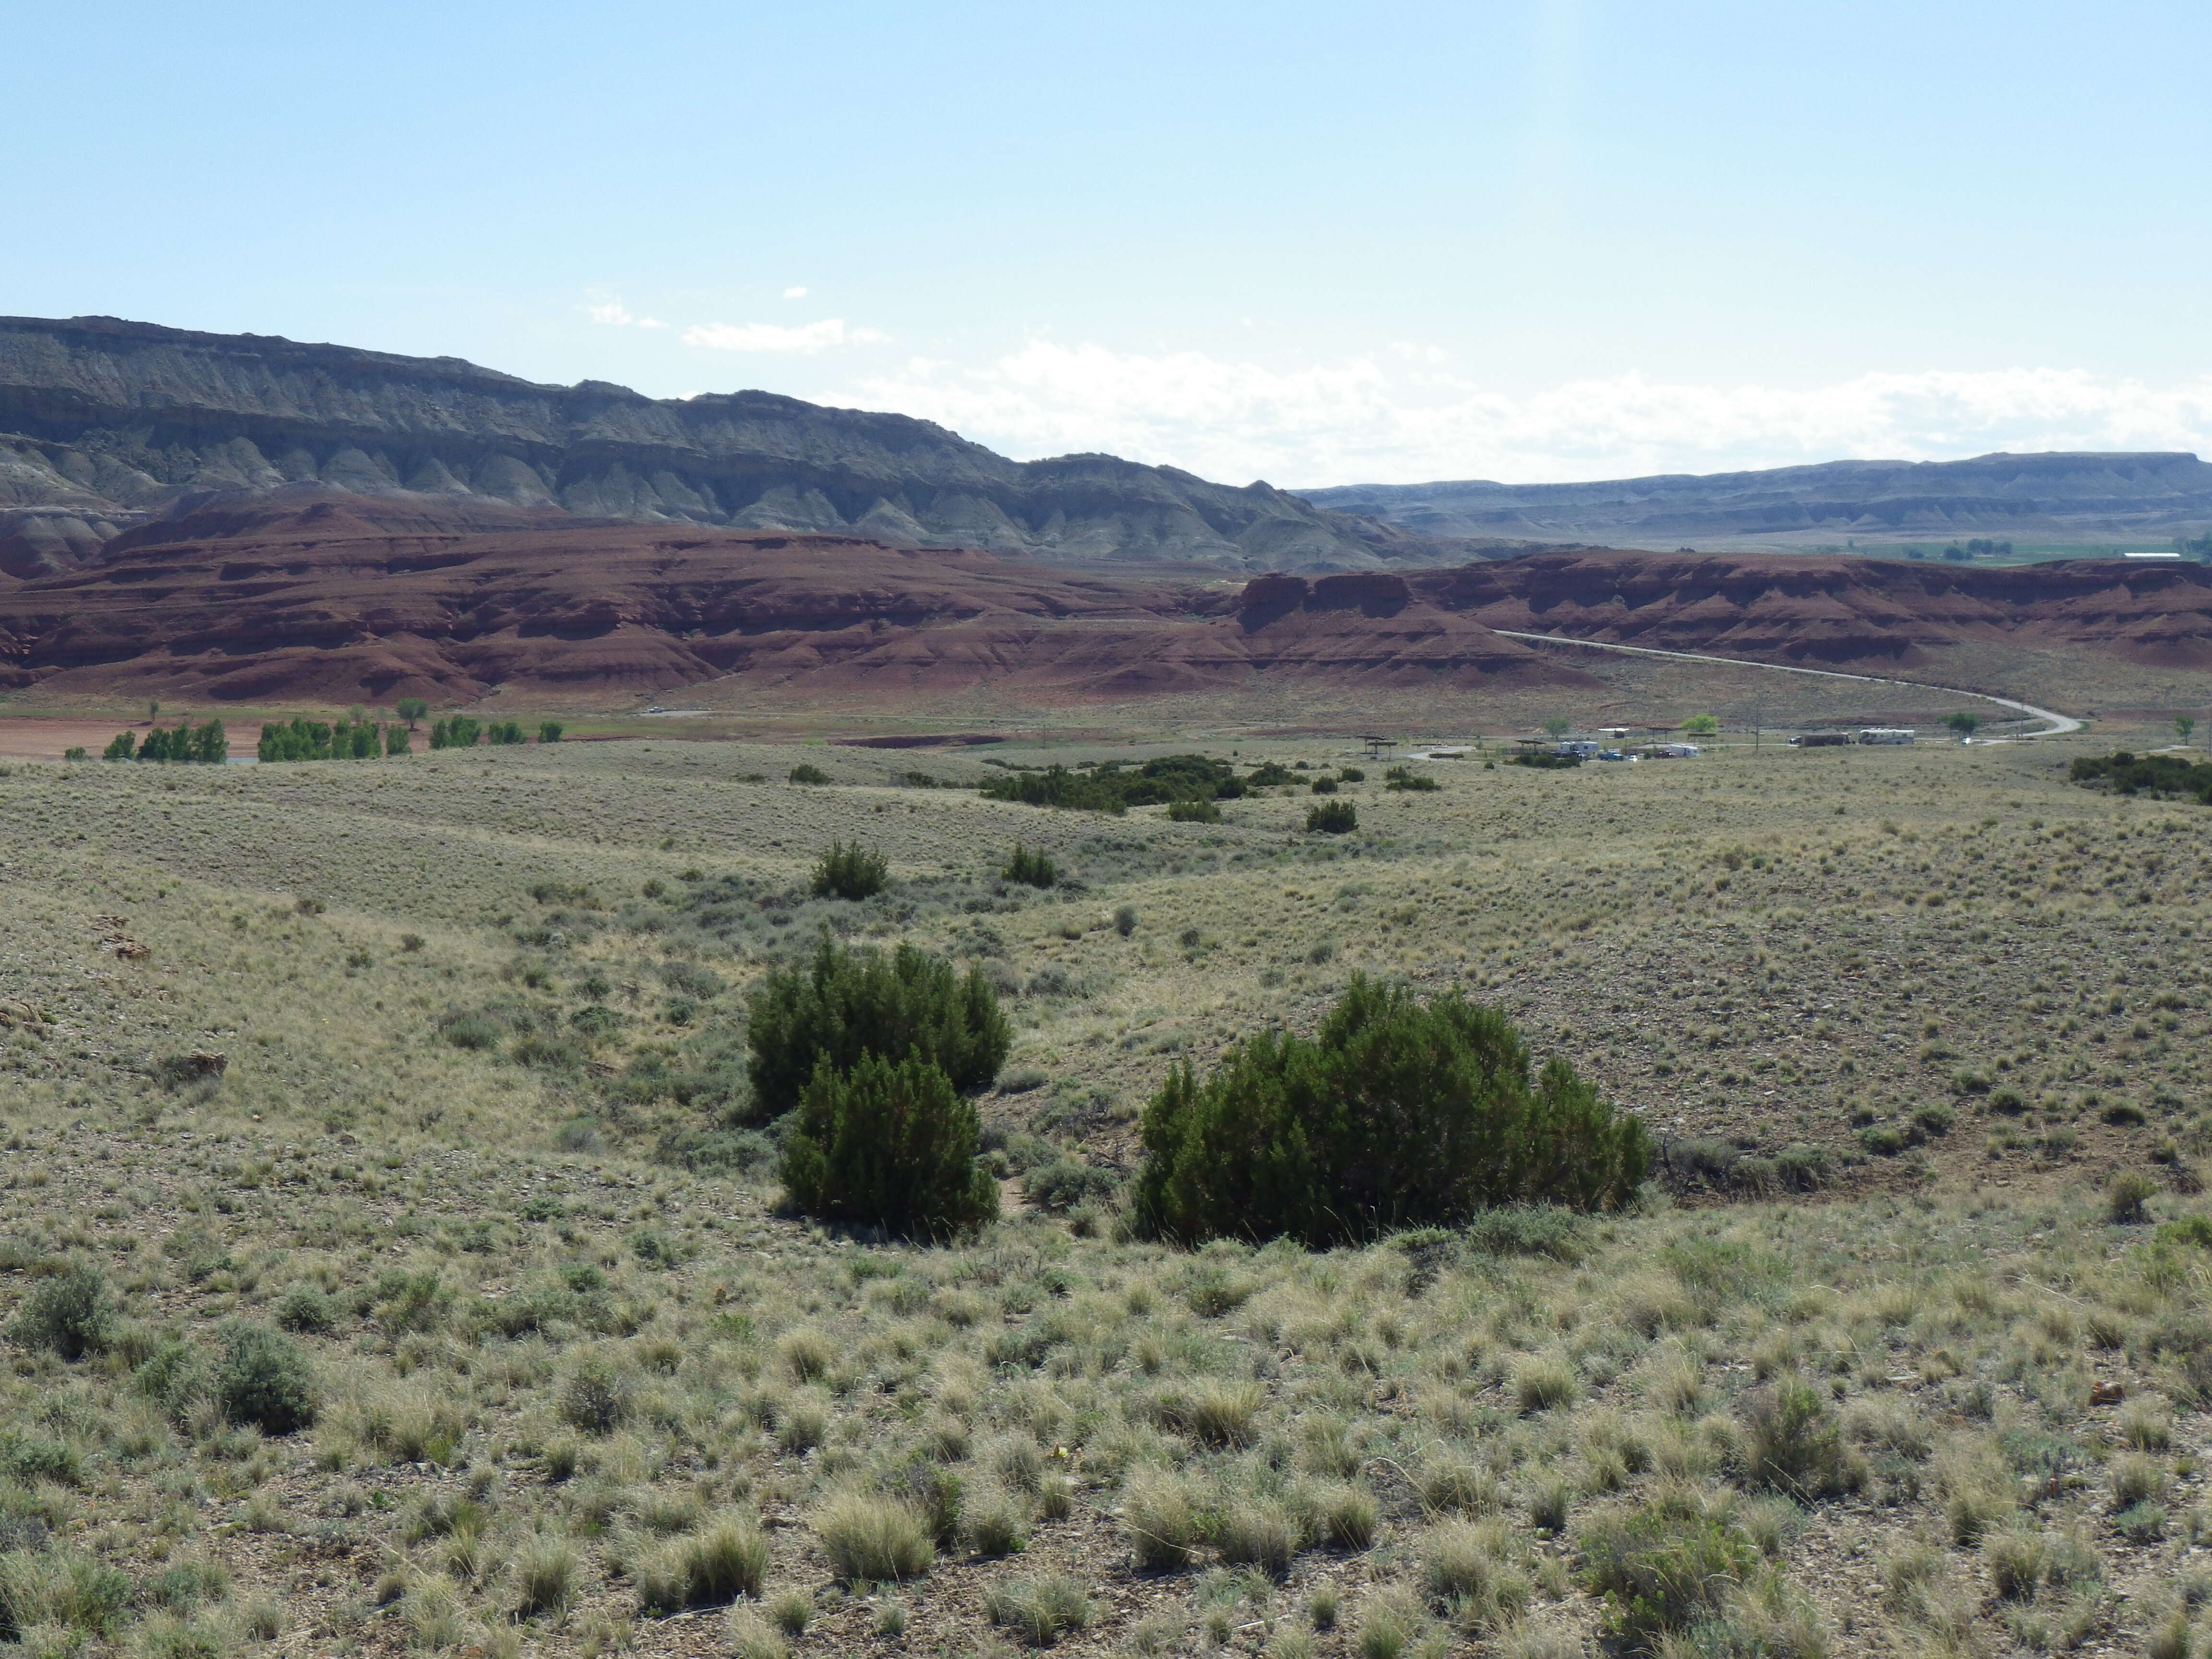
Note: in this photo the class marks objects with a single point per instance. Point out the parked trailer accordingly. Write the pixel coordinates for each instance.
(1821, 740)
(1885, 734)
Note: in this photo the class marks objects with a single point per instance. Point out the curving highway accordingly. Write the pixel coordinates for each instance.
(2058, 727)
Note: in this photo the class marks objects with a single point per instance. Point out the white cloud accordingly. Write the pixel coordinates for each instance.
(806, 339)
(616, 314)
(794, 293)
(1361, 421)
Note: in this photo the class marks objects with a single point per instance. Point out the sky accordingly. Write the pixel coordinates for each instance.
(1541, 240)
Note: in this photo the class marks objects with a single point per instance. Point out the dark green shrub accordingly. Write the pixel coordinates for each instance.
(1193, 812)
(174, 1377)
(458, 732)
(1323, 784)
(306, 1309)
(264, 1379)
(410, 709)
(399, 739)
(549, 1053)
(1115, 786)
(469, 1031)
(1883, 1139)
(2131, 1190)
(693, 980)
(2156, 775)
(848, 1003)
(1394, 1115)
(1405, 777)
(59, 1588)
(1351, 775)
(122, 746)
(1030, 868)
(1792, 1443)
(1332, 817)
(1064, 1183)
(1529, 1229)
(1663, 1568)
(73, 1313)
(505, 733)
(890, 1144)
(716, 1152)
(807, 772)
(597, 1396)
(549, 732)
(1270, 774)
(850, 872)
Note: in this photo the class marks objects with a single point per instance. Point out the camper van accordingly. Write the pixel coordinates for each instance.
(1885, 734)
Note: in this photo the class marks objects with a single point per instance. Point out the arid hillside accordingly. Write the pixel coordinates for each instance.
(326, 598)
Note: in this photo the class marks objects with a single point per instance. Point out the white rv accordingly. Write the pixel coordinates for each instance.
(1885, 734)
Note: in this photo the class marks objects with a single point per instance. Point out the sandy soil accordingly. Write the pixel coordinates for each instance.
(33, 738)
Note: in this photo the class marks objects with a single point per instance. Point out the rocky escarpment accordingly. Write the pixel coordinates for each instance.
(2079, 494)
(104, 424)
(1838, 613)
(317, 596)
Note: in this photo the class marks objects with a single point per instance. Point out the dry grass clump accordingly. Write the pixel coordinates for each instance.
(1040, 1610)
(562, 1351)
(1160, 1515)
(711, 1567)
(870, 1539)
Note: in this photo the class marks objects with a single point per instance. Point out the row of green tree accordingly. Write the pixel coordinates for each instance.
(1395, 1113)
(462, 732)
(359, 739)
(203, 743)
(313, 740)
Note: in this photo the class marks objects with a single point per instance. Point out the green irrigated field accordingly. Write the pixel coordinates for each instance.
(433, 1068)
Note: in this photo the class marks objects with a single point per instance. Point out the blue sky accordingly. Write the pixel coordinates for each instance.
(1552, 240)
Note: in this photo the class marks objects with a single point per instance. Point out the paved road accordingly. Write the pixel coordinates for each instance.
(2059, 724)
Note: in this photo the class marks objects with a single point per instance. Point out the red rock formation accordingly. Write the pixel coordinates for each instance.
(1841, 612)
(338, 599)
(334, 599)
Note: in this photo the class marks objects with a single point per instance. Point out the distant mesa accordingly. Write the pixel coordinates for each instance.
(244, 519)
(2061, 494)
(108, 425)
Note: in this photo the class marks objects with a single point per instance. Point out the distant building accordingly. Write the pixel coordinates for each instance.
(1885, 734)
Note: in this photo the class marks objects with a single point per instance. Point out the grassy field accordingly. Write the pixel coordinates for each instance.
(430, 1067)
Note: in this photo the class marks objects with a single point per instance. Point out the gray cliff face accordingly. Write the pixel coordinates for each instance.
(106, 424)
(2156, 493)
